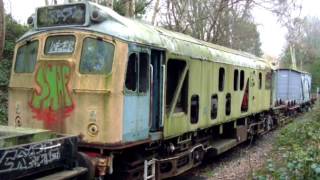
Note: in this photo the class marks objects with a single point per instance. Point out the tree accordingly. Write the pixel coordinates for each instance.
(2, 28)
(108, 3)
(307, 49)
(288, 13)
(131, 8)
(225, 22)
(156, 9)
(13, 31)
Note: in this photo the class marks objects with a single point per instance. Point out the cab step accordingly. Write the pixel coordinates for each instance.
(221, 145)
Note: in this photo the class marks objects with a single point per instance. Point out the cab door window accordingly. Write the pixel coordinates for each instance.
(132, 70)
(143, 72)
(137, 76)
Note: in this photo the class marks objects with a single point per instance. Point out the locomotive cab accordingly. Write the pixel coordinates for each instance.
(71, 80)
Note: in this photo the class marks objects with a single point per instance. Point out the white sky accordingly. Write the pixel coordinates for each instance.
(272, 35)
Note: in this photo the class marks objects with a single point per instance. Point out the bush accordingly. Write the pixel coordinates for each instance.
(13, 31)
(5, 68)
(297, 152)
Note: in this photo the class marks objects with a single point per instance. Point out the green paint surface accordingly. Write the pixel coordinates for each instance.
(51, 100)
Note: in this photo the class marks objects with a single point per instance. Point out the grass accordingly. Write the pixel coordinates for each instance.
(296, 151)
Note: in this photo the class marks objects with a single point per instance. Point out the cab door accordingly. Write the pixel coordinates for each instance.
(137, 96)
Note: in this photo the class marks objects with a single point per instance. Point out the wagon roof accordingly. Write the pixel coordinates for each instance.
(176, 43)
(291, 69)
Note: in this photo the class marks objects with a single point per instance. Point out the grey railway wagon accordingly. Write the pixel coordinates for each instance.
(291, 86)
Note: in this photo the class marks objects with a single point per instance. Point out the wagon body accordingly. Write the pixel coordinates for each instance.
(291, 86)
(31, 153)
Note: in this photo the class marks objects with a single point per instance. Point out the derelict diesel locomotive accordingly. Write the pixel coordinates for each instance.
(146, 102)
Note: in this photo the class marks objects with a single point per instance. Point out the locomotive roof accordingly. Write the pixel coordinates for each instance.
(176, 43)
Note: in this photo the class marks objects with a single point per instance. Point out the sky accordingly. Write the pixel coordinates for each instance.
(272, 34)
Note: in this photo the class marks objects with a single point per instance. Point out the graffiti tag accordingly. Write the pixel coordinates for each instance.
(62, 15)
(33, 156)
(51, 100)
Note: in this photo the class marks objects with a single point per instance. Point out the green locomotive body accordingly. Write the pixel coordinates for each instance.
(138, 95)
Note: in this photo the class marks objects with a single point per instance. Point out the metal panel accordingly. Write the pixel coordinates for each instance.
(294, 87)
(30, 155)
(136, 118)
(306, 87)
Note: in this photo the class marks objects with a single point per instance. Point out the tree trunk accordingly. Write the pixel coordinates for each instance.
(293, 56)
(2, 28)
(130, 8)
(156, 10)
(108, 3)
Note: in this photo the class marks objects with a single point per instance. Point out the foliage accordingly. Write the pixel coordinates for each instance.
(2, 28)
(13, 31)
(307, 48)
(246, 37)
(140, 7)
(297, 151)
(5, 67)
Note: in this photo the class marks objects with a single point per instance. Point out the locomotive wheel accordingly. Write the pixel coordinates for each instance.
(84, 161)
